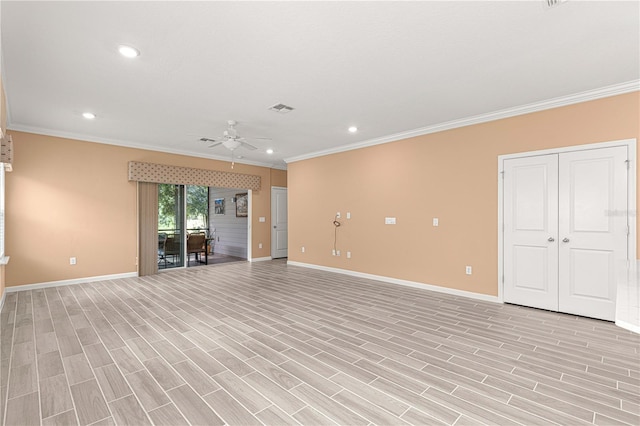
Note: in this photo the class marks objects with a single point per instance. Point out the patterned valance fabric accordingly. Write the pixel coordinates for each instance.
(6, 150)
(162, 173)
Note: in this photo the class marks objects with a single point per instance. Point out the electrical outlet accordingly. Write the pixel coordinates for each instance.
(348, 255)
(338, 215)
(333, 252)
(338, 253)
(435, 221)
(303, 249)
(259, 245)
(348, 215)
(72, 261)
(468, 270)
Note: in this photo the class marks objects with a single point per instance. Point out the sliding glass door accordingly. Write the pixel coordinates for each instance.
(182, 210)
(170, 226)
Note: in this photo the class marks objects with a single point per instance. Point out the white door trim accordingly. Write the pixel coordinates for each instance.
(631, 196)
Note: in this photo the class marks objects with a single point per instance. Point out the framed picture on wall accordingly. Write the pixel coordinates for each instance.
(242, 205)
(218, 206)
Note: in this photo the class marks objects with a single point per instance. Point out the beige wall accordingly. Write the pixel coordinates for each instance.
(3, 125)
(279, 178)
(72, 198)
(450, 175)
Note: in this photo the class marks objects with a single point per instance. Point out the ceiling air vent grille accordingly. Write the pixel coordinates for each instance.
(281, 108)
(553, 3)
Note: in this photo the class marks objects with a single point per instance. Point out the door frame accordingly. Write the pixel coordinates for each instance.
(631, 197)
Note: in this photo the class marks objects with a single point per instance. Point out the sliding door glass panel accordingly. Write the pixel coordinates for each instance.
(197, 209)
(171, 226)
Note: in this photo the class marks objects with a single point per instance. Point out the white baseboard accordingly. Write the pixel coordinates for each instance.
(70, 282)
(451, 291)
(4, 295)
(260, 259)
(628, 326)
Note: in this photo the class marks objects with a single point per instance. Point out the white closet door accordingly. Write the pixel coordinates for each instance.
(531, 231)
(592, 230)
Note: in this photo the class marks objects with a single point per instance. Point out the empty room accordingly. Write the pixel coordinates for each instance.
(319, 213)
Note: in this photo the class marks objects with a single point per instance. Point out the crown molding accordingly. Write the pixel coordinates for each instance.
(604, 92)
(117, 142)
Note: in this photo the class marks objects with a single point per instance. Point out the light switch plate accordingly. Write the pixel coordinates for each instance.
(435, 221)
(389, 220)
(262, 219)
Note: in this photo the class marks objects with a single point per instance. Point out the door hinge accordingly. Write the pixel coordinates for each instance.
(628, 164)
(502, 174)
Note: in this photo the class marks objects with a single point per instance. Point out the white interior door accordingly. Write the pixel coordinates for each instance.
(279, 227)
(530, 231)
(565, 230)
(592, 229)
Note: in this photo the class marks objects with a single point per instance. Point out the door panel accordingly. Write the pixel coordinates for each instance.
(592, 229)
(530, 220)
(280, 228)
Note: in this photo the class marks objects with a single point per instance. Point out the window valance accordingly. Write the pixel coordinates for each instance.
(6, 150)
(162, 173)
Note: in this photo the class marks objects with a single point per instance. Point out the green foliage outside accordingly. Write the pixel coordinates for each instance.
(169, 200)
(197, 207)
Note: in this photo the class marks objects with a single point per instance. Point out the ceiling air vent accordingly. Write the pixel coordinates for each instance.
(281, 108)
(552, 3)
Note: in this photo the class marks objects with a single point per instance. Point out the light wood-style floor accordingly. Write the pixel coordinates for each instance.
(245, 344)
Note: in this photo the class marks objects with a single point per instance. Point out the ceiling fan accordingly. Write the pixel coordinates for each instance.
(231, 140)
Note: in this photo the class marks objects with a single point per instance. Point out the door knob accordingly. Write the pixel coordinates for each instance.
(565, 240)
(551, 239)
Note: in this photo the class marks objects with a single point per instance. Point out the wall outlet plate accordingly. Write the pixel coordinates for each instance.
(468, 270)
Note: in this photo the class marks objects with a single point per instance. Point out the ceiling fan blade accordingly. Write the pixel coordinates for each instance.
(264, 139)
(208, 140)
(215, 144)
(248, 146)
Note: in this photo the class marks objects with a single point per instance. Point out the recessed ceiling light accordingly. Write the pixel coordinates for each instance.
(89, 115)
(269, 151)
(353, 129)
(128, 51)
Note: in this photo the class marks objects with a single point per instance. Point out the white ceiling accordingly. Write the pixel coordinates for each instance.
(386, 67)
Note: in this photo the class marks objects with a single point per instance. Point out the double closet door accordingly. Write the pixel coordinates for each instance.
(565, 230)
